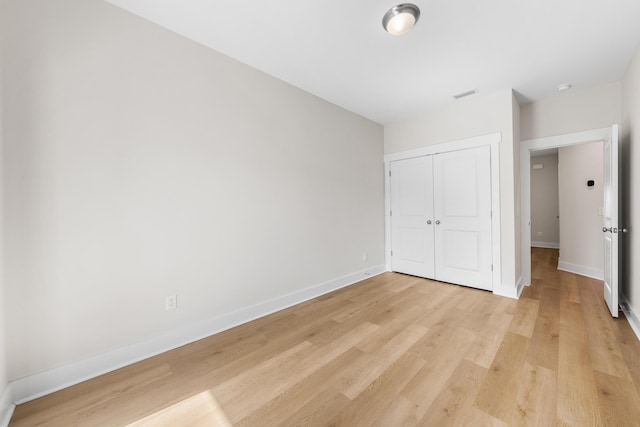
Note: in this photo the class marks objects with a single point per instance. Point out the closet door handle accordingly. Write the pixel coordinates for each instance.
(437, 221)
(429, 222)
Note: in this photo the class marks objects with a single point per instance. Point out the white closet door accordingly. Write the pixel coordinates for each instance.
(412, 216)
(462, 200)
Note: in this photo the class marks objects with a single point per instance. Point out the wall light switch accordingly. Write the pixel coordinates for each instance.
(601, 211)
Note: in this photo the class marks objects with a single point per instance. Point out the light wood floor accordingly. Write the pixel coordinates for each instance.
(394, 350)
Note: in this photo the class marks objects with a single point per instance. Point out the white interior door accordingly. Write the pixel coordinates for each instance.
(412, 216)
(462, 201)
(610, 228)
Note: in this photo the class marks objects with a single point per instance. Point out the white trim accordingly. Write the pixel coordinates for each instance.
(496, 235)
(387, 217)
(509, 291)
(34, 386)
(630, 315)
(460, 144)
(594, 273)
(6, 406)
(520, 286)
(493, 141)
(547, 245)
(526, 147)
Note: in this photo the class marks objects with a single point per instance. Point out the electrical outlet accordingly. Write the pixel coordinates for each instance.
(539, 233)
(364, 256)
(171, 302)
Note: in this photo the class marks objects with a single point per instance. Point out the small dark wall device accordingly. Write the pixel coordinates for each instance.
(591, 183)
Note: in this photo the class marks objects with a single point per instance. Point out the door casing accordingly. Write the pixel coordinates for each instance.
(526, 147)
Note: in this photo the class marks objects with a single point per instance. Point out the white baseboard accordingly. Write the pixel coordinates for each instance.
(6, 406)
(594, 273)
(40, 384)
(633, 319)
(545, 245)
(520, 286)
(510, 291)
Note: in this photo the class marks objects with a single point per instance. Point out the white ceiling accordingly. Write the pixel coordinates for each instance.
(339, 51)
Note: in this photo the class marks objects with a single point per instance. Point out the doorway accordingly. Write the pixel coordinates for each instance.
(526, 149)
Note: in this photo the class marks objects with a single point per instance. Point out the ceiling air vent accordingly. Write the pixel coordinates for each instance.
(466, 93)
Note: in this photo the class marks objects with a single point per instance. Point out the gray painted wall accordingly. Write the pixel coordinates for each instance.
(545, 210)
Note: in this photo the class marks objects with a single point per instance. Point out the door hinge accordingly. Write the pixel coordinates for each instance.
(391, 253)
(491, 267)
(390, 213)
(389, 173)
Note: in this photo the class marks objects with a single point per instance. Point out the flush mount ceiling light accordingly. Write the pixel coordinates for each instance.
(401, 18)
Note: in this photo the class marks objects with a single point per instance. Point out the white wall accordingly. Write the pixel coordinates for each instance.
(4, 398)
(545, 226)
(581, 247)
(466, 118)
(515, 131)
(630, 163)
(573, 111)
(140, 164)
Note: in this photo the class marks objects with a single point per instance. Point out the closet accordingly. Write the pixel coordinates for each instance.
(441, 217)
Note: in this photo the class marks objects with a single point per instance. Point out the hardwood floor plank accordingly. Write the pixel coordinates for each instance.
(318, 412)
(537, 397)
(364, 309)
(439, 306)
(199, 410)
(475, 417)
(569, 290)
(273, 377)
(604, 349)
(478, 311)
(401, 412)
(455, 402)
(248, 391)
(578, 402)
(543, 350)
(221, 371)
(317, 387)
(524, 320)
(371, 403)
(429, 381)
(631, 354)
(489, 340)
(443, 320)
(64, 407)
(619, 404)
(497, 396)
(393, 327)
(377, 362)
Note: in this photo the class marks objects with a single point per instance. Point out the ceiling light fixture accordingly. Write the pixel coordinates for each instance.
(401, 18)
(564, 87)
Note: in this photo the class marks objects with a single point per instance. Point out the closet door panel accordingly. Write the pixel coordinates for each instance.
(412, 216)
(462, 212)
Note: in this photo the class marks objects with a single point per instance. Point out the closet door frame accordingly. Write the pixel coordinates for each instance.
(493, 141)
